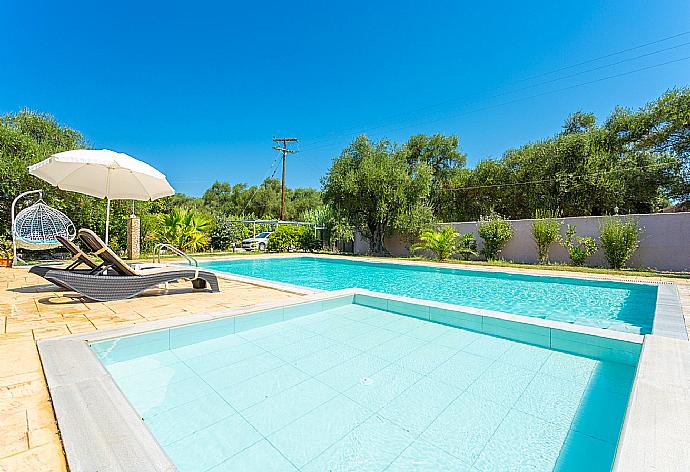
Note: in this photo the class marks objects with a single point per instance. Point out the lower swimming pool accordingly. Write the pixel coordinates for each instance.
(339, 385)
(620, 306)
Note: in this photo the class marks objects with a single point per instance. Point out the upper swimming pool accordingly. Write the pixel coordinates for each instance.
(620, 306)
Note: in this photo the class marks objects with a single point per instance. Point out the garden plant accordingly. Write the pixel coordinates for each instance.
(495, 231)
(444, 243)
(545, 231)
(579, 248)
(619, 240)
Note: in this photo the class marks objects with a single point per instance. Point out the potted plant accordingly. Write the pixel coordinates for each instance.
(5, 253)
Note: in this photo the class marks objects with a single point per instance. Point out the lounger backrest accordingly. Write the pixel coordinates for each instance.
(76, 252)
(99, 248)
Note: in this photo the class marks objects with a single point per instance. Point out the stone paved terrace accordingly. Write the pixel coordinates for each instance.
(31, 309)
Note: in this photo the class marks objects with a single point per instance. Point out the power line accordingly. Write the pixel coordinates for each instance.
(509, 102)
(256, 189)
(359, 130)
(557, 79)
(616, 53)
(531, 182)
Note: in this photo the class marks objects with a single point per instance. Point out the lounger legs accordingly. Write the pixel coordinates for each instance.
(198, 284)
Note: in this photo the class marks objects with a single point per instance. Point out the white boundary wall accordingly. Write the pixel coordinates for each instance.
(664, 243)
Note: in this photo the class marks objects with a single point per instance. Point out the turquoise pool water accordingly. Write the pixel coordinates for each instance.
(354, 388)
(611, 305)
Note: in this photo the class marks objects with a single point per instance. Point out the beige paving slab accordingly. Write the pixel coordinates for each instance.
(30, 310)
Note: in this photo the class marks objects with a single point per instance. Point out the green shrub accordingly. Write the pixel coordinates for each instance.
(619, 240)
(289, 238)
(308, 240)
(579, 249)
(226, 232)
(545, 230)
(443, 243)
(468, 246)
(185, 229)
(495, 231)
(5, 249)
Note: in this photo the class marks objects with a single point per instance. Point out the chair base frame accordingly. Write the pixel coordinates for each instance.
(105, 288)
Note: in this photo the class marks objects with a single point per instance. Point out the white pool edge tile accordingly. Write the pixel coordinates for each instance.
(656, 427)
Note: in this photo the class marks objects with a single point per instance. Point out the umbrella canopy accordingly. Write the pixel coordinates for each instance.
(103, 173)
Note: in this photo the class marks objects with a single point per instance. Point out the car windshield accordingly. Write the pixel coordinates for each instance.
(262, 235)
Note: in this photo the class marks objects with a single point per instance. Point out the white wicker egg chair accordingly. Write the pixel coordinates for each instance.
(37, 226)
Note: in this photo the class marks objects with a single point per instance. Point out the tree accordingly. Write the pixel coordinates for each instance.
(635, 160)
(372, 185)
(442, 154)
(263, 200)
(26, 138)
(661, 127)
(579, 122)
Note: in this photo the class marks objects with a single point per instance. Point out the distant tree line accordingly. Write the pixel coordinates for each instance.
(192, 223)
(636, 161)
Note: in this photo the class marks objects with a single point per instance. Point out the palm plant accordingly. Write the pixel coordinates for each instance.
(444, 243)
(185, 229)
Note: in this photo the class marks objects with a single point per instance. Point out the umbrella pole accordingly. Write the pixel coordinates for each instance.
(107, 221)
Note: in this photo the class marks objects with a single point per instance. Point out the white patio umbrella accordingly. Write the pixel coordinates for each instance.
(104, 174)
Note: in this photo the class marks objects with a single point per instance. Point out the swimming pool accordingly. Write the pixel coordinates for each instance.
(619, 306)
(340, 385)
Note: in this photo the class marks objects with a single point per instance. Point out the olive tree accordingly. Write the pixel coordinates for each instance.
(371, 185)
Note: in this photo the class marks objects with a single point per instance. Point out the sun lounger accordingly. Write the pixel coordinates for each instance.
(116, 280)
(79, 257)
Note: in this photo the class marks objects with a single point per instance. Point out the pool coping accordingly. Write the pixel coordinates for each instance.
(668, 312)
(115, 438)
(657, 419)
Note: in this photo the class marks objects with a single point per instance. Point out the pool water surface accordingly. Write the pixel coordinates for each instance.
(361, 389)
(620, 306)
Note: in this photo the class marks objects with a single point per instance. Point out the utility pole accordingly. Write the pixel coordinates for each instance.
(285, 152)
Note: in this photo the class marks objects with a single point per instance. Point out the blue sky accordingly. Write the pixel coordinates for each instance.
(198, 89)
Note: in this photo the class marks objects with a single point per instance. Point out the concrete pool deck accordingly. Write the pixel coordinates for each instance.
(31, 309)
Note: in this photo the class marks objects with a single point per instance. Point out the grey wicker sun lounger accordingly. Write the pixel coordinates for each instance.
(79, 257)
(125, 282)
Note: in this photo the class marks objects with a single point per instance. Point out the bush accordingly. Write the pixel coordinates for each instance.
(495, 231)
(308, 240)
(579, 249)
(187, 230)
(443, 243)
(468, 246)
(5, 249)
(226, 232)
(619, 240)
(545, 231)
(289, 238)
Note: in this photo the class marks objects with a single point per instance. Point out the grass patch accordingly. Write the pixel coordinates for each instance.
(630, 272)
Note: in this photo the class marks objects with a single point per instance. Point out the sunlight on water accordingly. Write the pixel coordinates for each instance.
(611, 305)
